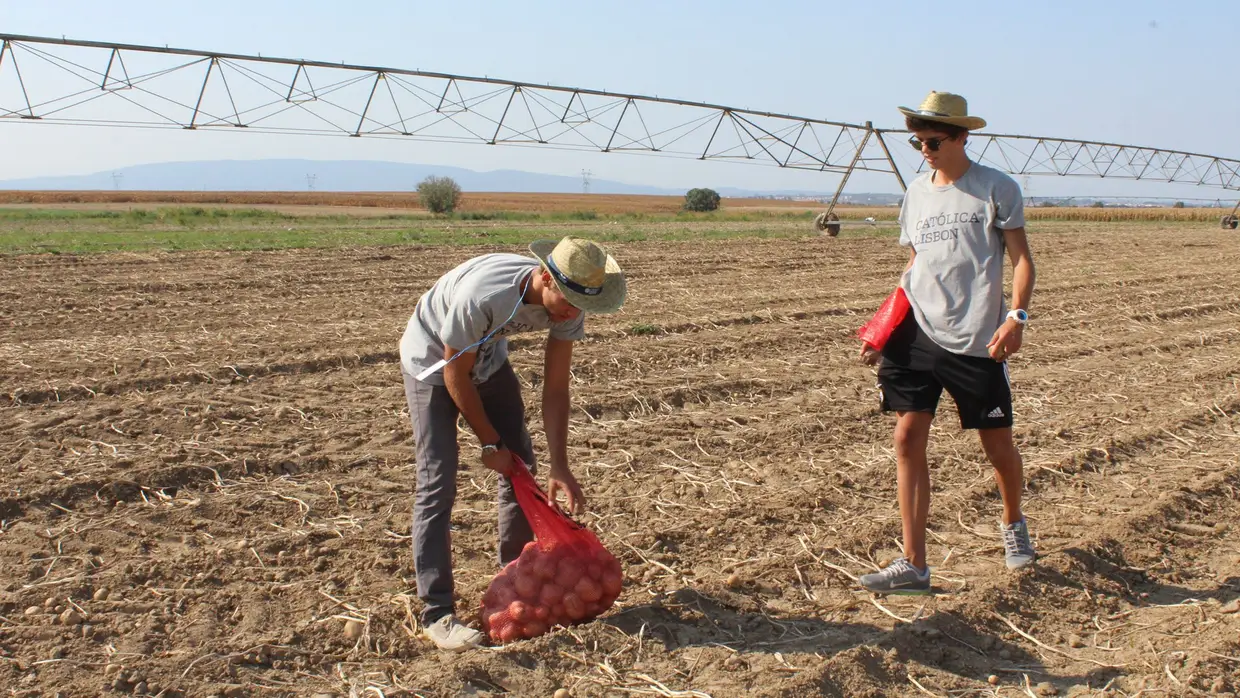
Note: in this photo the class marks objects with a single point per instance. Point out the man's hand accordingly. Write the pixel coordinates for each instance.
(1007, 340)
(563, 479)
(500, 461)
(869, 355)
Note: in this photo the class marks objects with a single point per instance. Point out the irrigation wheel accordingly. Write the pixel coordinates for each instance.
(823, 222)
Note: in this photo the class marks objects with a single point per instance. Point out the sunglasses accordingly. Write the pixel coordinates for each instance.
(932, 143)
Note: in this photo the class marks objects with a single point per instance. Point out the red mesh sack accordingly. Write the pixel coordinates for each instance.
(564, 576)
(888, 317)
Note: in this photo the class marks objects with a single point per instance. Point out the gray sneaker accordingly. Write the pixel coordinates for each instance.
(900, 577)
(1016, 544)
(452, 635)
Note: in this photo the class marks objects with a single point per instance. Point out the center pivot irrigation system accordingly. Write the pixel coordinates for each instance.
(94, 83)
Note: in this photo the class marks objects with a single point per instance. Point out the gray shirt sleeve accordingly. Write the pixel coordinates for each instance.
(1009, 205)
(572, 330)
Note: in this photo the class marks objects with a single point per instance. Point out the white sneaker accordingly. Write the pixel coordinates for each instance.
(452, 635)
(1017, 545)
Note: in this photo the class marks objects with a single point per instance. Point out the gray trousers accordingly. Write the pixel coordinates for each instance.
(434, 416)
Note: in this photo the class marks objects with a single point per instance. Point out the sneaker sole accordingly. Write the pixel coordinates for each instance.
(462, 648)
(901, 592)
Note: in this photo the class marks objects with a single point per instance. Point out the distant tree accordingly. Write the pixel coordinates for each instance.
(1178, 204)
(701, 200)
(1099, 204)
(439, 194)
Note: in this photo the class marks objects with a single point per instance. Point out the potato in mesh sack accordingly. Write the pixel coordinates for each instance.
(564, 576)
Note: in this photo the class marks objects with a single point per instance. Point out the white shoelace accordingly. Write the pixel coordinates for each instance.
(1016, 543)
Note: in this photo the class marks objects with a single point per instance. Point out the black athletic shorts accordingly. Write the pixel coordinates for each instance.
(914, 371)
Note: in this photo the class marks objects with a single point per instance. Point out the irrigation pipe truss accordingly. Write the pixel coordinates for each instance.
(96, 83)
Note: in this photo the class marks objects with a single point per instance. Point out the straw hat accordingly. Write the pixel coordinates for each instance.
(946, 108)
(587, 276)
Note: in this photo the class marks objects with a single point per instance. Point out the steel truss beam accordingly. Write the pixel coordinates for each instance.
(1033, 155)
(106, 84)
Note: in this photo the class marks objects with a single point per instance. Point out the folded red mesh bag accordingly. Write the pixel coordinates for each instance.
(564, 576)
(889, 316)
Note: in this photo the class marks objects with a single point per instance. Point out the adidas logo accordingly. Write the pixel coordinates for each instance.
(996, 413)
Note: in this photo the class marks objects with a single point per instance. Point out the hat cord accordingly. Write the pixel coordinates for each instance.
(444, 362)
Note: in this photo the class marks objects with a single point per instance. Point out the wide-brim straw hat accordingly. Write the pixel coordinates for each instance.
(588, 277)
(946, 108)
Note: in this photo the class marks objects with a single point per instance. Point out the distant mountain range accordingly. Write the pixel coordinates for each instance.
(336, 175)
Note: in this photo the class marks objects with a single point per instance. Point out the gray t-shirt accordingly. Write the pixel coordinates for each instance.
(955, 285)
(467, 303)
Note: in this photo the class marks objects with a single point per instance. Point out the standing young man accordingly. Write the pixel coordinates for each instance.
(958, 219)
(454, 360)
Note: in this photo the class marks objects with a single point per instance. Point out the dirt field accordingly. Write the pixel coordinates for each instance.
(206, 470)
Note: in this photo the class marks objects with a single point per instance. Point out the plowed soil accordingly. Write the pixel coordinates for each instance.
(206, 471)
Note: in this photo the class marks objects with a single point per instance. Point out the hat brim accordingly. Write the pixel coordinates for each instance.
(615, 288)
(970, 122)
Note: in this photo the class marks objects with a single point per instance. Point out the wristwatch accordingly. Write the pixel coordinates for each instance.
(488, 449)
(1020, 316)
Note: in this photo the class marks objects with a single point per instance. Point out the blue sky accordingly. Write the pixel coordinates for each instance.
(1142, 72)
